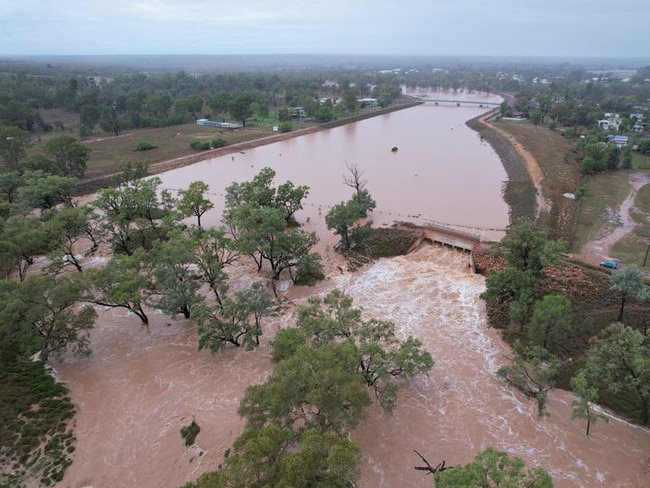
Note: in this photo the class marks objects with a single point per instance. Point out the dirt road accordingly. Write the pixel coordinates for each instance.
(601, 248)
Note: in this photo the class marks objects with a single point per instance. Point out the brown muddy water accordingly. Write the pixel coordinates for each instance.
(144, 383)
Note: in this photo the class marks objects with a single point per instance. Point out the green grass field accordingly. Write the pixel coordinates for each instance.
(108, 151)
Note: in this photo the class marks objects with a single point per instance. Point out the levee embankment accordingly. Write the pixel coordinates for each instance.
(519, 191)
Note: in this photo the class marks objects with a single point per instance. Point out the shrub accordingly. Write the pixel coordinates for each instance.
(285, 127)
(145, 146)
(309, 270)
(189, 433)
(200, 145)
(218, 142)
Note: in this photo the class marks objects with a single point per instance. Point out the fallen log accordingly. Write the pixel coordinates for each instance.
(428, 468)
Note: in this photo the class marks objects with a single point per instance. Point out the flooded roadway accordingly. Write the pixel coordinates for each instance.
(144, 383)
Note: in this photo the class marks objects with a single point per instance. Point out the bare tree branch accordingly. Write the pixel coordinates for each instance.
(428, 468)
(354, 179)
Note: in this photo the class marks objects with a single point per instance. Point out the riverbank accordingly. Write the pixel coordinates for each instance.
(520, 190)
(94, 184)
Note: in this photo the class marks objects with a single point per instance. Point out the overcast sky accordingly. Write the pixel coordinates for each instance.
(564, 28)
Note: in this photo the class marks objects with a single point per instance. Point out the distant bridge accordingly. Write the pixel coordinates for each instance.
(458, 102)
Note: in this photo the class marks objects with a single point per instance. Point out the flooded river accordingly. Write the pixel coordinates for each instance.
(144, 383)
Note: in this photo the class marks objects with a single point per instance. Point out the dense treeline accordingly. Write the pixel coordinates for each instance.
(146, 100)
(559, 95)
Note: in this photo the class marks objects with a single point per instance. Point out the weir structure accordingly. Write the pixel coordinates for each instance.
(441, 234)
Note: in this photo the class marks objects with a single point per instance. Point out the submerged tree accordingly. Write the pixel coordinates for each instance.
(317, 388)
(40, 315)
(192, 202)
(345, 219)
(492, 468)
(237, 320)
(532, 371)
(586, 394)
(137, 211)
(261, 219)
(381, 356)
(174, 282)
(213, 252)
(275, 456)
(22, 239)
(120, 283)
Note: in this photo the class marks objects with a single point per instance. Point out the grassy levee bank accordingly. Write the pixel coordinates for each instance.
(519, 191)
(594, 304)
(102, 175)
(559, 162)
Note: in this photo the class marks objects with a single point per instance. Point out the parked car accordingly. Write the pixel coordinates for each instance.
(609, 264)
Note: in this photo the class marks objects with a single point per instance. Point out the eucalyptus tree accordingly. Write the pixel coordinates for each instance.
(551, 320)
(137, 211)
(237, 321)
(241, 107)
(618, 360)
(69, 155)
(527, 252)
(192, 202)
(45, 191)
(382, 357)
(41, 315)
(315, 388)
(13, 146)
(629, 282)
(66, 229)
(493, 468)
(586, 394)
(261, 218)
(345, 219)
(10, 183)
(213, 252)
(174, 281)
(260, 193)
(532, 370)
(121, 283)
(275, 456)
(22, 240)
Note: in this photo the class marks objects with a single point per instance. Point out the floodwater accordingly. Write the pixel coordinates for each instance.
(144, 383)
(440, 172)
